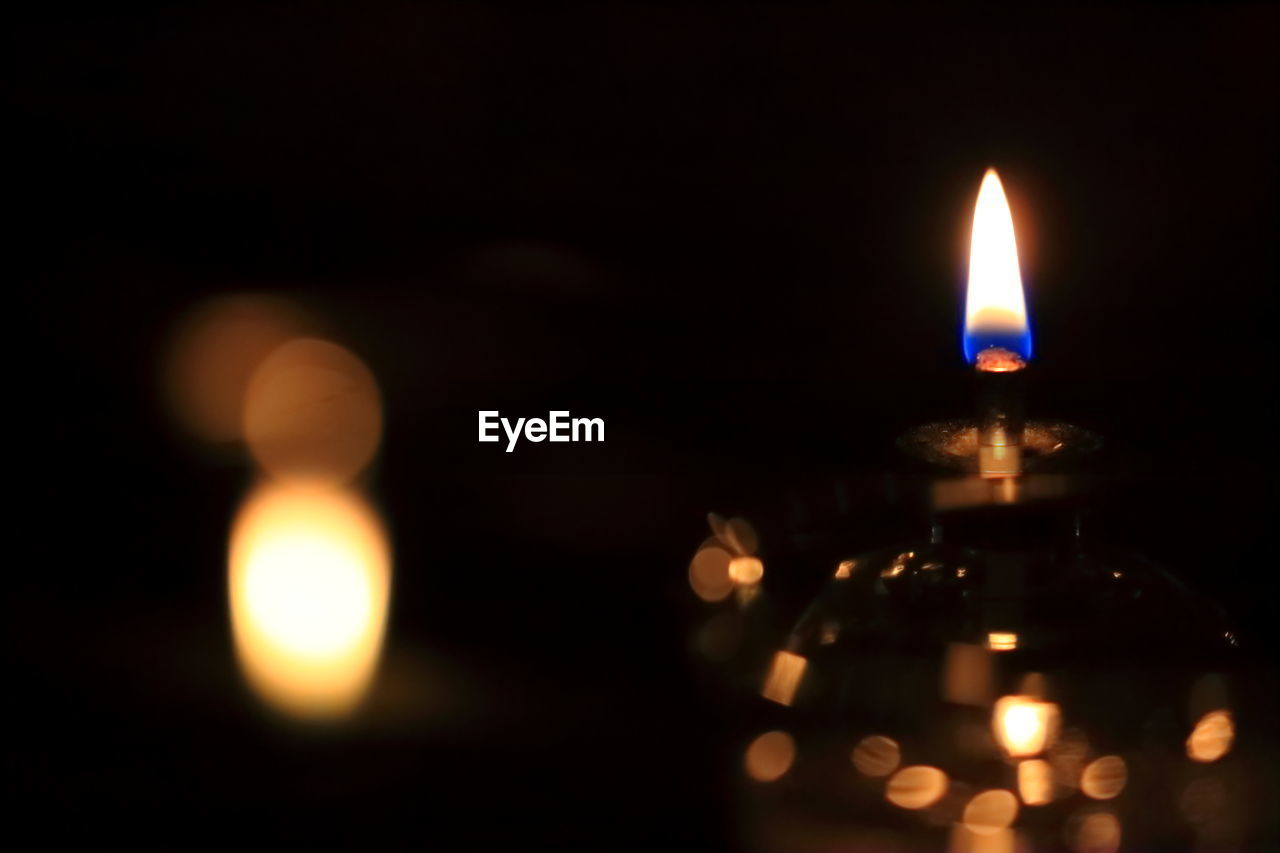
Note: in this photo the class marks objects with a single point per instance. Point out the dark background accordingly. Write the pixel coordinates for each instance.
(735, 232)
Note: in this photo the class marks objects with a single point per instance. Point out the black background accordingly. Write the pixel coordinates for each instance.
(735, 232)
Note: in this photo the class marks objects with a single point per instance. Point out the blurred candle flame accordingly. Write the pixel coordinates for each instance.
(995, 309)
(309, 579)
(1023, 725)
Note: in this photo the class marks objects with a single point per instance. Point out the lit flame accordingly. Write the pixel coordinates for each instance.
(1024, 726)
(995, 311)
(309, 579)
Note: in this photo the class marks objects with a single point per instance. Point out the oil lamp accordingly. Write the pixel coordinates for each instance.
(1001, 682)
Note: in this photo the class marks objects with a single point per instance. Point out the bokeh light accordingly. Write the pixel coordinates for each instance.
(769, 756)
(784, 677)
(1002, 641)
(1212, 737)
(876, 756)
(1024, 726)
(990, 811)
(1104, 777)
(1000, 841)
(746, 570)
(916, 787)
(967, 674)
(309, 580)
(709, 573)
(312, 411)
(1035, 781)
(1094, 832)
(215, 351)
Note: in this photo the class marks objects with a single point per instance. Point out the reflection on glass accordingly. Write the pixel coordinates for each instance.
(309, 580)
(1203, 801)
(769, 756)
(898, 566)
(784, 676)
(740, 536)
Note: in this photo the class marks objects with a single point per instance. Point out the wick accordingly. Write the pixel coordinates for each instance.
(999, 360)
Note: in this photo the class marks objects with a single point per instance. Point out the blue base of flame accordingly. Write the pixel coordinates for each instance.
(1018, 342)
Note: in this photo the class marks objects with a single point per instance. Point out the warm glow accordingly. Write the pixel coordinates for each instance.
(769, 756)
(709, 575)
(1067, 758)
(312, 411)
(309, 581)
(719, 638)
(784, 677)
(995, 311)
(991, 811)
(1104, 778)
(746, 570)
(916, 787)
(1035, 782)
(967, 674)
(1203, 800)
(1211, 738)
(740, 536)
(1096, 832)
(876, 755)
(1002, 641)
(214, 352)
(1024, 726)
(1000, 841)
